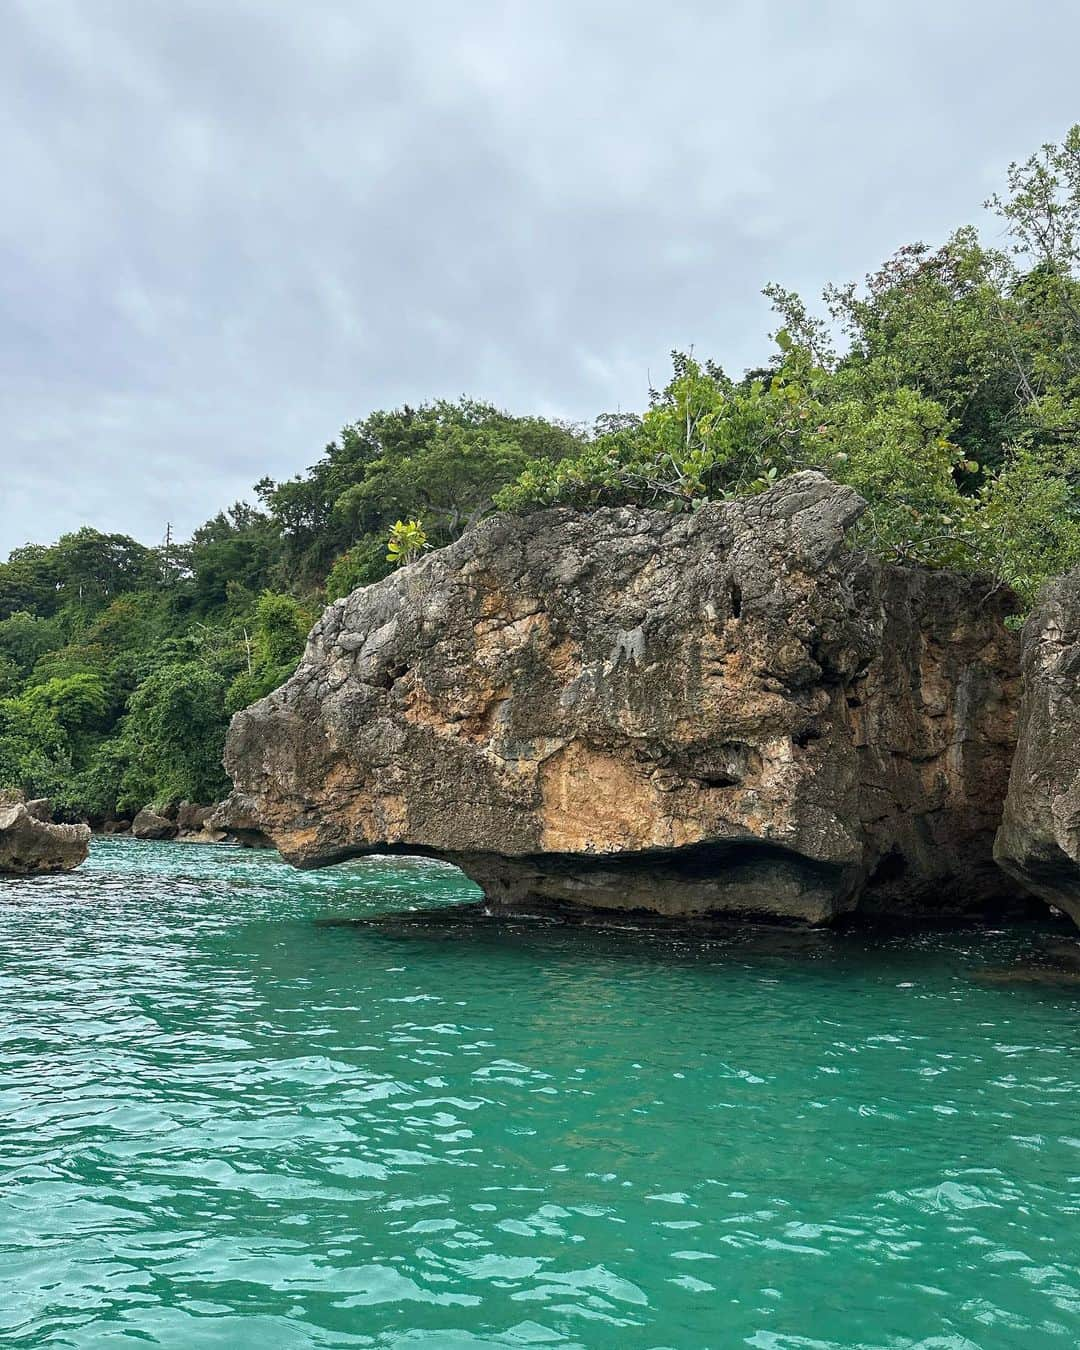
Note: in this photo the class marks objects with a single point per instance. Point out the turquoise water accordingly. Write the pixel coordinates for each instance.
(231, 1117)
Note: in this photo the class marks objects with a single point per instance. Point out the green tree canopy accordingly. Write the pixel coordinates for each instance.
(441, 462)
(173, 733)
(946, 389)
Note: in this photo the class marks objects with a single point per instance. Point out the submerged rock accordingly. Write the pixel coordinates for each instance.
(1039, 839)
(31, 844)
(727, 712)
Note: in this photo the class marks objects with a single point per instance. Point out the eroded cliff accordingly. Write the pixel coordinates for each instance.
(728, 711)
(1039, 839)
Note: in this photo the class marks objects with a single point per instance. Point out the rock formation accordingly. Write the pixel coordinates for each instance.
(728, 711)
(235, 823)
(195, 824)
(187, 821)
(151, 824)
(1039, 839)
(31, 844)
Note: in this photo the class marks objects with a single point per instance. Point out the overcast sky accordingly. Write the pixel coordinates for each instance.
(231, 227)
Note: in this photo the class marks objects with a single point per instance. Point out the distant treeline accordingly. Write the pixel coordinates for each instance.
(946, 389)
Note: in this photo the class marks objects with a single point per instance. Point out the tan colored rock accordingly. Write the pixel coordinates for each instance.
(194, 824)
(150, 824)
(723, 712)
(1039, 839)
(32, 845)
(231, 822)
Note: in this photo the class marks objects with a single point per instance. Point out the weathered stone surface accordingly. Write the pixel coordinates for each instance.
(194, 824)
(1039, 839)
(30, 844)
(187, 822)
(148, 824)
(728, 711)
(191, 818)
(229, 824)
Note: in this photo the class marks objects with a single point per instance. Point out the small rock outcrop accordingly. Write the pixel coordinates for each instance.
(150, 824)
(192, 818)
(195, 824)
(726, 712)
(32, 845)
(1039, 838)
(186, 821)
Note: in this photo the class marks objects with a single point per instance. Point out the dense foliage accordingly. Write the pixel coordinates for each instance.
(946, 389)
(120, 665)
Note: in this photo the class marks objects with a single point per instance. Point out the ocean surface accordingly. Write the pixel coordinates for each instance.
(242, 1106)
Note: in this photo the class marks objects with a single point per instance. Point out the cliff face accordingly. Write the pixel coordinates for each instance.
(1039, 839)
(728, 711)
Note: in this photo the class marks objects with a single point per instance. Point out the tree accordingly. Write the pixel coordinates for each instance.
(235, 552)
(25, 638)
(441, 462)
(174, 731)
(360, 565)
(279, 630)
(34, 751)
(954, 407)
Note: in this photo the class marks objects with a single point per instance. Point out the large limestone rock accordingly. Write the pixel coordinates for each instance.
(1039, 839)
(724, 712)
(31, 845)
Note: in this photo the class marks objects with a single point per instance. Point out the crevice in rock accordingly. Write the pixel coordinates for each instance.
(891, 867)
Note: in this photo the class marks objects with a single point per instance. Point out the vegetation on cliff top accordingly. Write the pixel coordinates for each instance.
(946, 390)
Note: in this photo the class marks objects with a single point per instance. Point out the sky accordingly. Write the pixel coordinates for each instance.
(230, 228)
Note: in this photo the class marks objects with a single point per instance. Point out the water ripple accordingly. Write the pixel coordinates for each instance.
(243, 1106)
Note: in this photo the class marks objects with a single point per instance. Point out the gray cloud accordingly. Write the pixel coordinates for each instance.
(230, 229)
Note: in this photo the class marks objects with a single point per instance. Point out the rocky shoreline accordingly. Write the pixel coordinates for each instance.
(182, 822)
(729, 713)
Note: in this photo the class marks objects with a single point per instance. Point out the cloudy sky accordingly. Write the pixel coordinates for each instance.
(231, 227)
